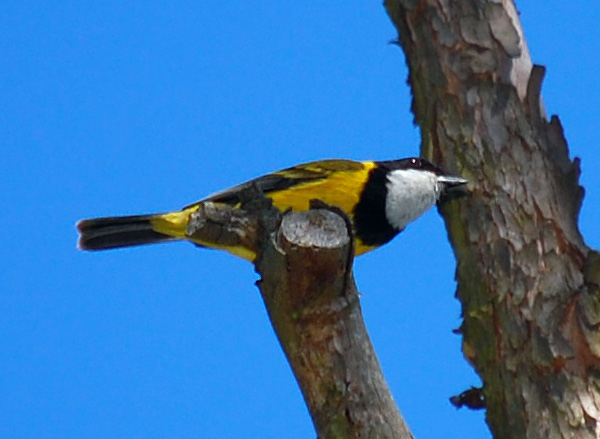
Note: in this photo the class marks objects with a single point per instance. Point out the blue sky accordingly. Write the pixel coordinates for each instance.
(132, 107)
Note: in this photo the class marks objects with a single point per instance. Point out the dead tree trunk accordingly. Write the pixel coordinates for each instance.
(528, 284)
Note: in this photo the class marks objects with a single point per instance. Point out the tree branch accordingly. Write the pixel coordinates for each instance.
(522, 262)
(314, 307)
(305, 263)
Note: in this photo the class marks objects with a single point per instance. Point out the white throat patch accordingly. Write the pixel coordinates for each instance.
(410, 193)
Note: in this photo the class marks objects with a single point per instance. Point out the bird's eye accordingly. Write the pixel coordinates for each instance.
(414, 161)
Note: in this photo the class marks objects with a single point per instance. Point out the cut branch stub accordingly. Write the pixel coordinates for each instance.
(305, 261)
(224, 226)
(317, 245)
(313, 304)
(245, 226)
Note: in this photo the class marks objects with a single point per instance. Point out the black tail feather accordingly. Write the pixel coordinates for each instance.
(114, 232)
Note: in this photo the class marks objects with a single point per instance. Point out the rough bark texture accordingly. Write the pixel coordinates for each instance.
(526, 280)
(313, 304)
(305, 263)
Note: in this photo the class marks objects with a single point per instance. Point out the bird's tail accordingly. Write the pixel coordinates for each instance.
(120, 231)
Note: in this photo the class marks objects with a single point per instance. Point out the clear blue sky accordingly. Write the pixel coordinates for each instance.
(130, 107)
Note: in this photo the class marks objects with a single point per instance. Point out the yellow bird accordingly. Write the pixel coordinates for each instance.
(380, 197)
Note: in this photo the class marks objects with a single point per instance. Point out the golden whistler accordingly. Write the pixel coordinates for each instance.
(380, 197)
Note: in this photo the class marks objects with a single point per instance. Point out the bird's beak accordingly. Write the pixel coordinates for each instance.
(450, 181)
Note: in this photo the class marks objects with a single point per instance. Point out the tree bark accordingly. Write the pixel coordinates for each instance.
(528, 284)
(312, 301)
(305, 263)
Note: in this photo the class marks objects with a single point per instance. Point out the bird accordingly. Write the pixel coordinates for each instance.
(380, 198)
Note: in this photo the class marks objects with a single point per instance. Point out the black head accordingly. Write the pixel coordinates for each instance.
(411, 163)
(444, 181)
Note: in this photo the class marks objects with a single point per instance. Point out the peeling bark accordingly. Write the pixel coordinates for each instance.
(527, 282)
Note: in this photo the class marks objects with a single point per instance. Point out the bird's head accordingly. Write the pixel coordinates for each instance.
(413, 186)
